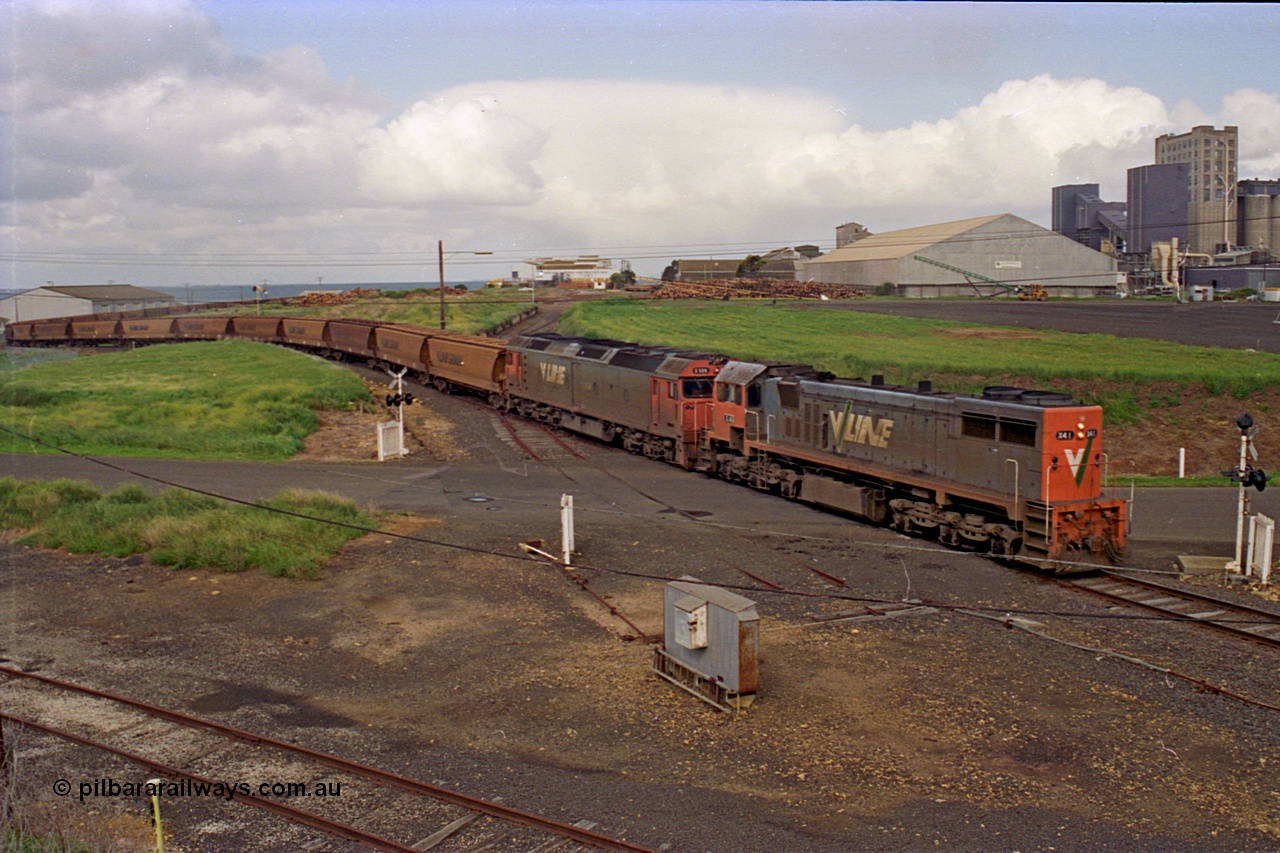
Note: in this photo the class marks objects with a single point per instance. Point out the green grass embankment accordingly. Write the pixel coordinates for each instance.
(221, 400)
(852, 343)
(179, 528)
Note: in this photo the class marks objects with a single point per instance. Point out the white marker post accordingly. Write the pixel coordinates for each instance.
(567, 546)
(155, 784)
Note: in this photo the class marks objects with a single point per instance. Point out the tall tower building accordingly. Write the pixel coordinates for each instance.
(1211, 202)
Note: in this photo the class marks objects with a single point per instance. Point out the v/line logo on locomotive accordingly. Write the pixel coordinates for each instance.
(859, 429)
(1075, 460)
(552, 374)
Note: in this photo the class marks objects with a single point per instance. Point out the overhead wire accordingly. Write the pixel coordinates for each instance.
(429, 256)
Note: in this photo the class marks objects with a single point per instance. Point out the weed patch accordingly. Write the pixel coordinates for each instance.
(182, 529)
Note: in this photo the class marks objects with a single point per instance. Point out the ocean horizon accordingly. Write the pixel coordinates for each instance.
(201, 293)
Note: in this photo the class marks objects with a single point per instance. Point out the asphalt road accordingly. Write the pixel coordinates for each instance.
(1235, 325)
(1166, 521)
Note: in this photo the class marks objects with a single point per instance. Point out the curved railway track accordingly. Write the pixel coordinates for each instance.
(546, 833)
(1239, 620)
(537, 441)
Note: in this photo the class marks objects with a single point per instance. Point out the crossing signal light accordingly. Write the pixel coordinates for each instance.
(1255, 477)
(399, 399)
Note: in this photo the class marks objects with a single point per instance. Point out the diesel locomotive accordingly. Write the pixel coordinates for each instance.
(1013, 473)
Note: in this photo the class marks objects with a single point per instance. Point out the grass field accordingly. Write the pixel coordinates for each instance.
(208, 400)
(475, 313)
(851, 343)
(179, 528)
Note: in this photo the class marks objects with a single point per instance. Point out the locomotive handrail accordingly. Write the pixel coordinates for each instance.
(1017, 506)
(1048, 506)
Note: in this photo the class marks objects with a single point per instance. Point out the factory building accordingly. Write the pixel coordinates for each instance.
(986, 256)
(1211, 209)
(58, 301)
(1157, 196)
(783, 264)
(1259, 215)
(1080, 214)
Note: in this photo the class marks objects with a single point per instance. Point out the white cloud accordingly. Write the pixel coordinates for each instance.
(466, 151)
(138, 129)
(677, 161)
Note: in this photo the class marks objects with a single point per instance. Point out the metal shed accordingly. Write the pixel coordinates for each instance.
(1002, 248)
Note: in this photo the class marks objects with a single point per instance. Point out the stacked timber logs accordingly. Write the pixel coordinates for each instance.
(333, 297)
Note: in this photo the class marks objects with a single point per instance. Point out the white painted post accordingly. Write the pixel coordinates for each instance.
(567, 545)
(1182, 462)
(1262, 536)
(1242, 508)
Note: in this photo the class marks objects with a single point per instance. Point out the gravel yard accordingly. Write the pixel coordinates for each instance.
(494, 674)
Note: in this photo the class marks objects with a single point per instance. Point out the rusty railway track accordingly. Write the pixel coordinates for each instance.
(528, 435)
(1239, 620)
(384, 778)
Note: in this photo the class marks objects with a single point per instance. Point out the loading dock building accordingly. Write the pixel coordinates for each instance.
(998, 253)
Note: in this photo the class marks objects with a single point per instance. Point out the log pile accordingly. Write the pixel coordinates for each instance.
(751, 288)
(333, 297)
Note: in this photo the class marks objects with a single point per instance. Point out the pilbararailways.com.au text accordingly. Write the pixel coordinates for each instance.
(90, 788)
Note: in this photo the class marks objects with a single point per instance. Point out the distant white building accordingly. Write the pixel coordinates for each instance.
(584, 270)
(51, 301)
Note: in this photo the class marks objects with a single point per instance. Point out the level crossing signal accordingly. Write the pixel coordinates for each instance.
(399, 399)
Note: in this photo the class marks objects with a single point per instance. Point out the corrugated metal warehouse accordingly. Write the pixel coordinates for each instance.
(1003, 248)
(55, 301)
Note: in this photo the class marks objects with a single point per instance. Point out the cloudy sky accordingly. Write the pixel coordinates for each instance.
(162, 142)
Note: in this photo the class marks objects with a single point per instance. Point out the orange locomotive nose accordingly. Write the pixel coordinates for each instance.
(1072, 454)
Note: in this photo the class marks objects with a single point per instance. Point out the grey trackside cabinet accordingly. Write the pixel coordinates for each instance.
(711, 644)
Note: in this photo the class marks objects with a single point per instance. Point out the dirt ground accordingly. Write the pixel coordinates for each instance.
(497, 675)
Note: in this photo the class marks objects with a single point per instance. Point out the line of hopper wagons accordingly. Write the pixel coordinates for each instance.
(1014, 473)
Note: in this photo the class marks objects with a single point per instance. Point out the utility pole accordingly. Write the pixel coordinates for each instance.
(440, 246)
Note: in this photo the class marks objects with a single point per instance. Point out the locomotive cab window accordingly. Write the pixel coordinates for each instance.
(726, 393)
(754, 396)
(696, 389)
